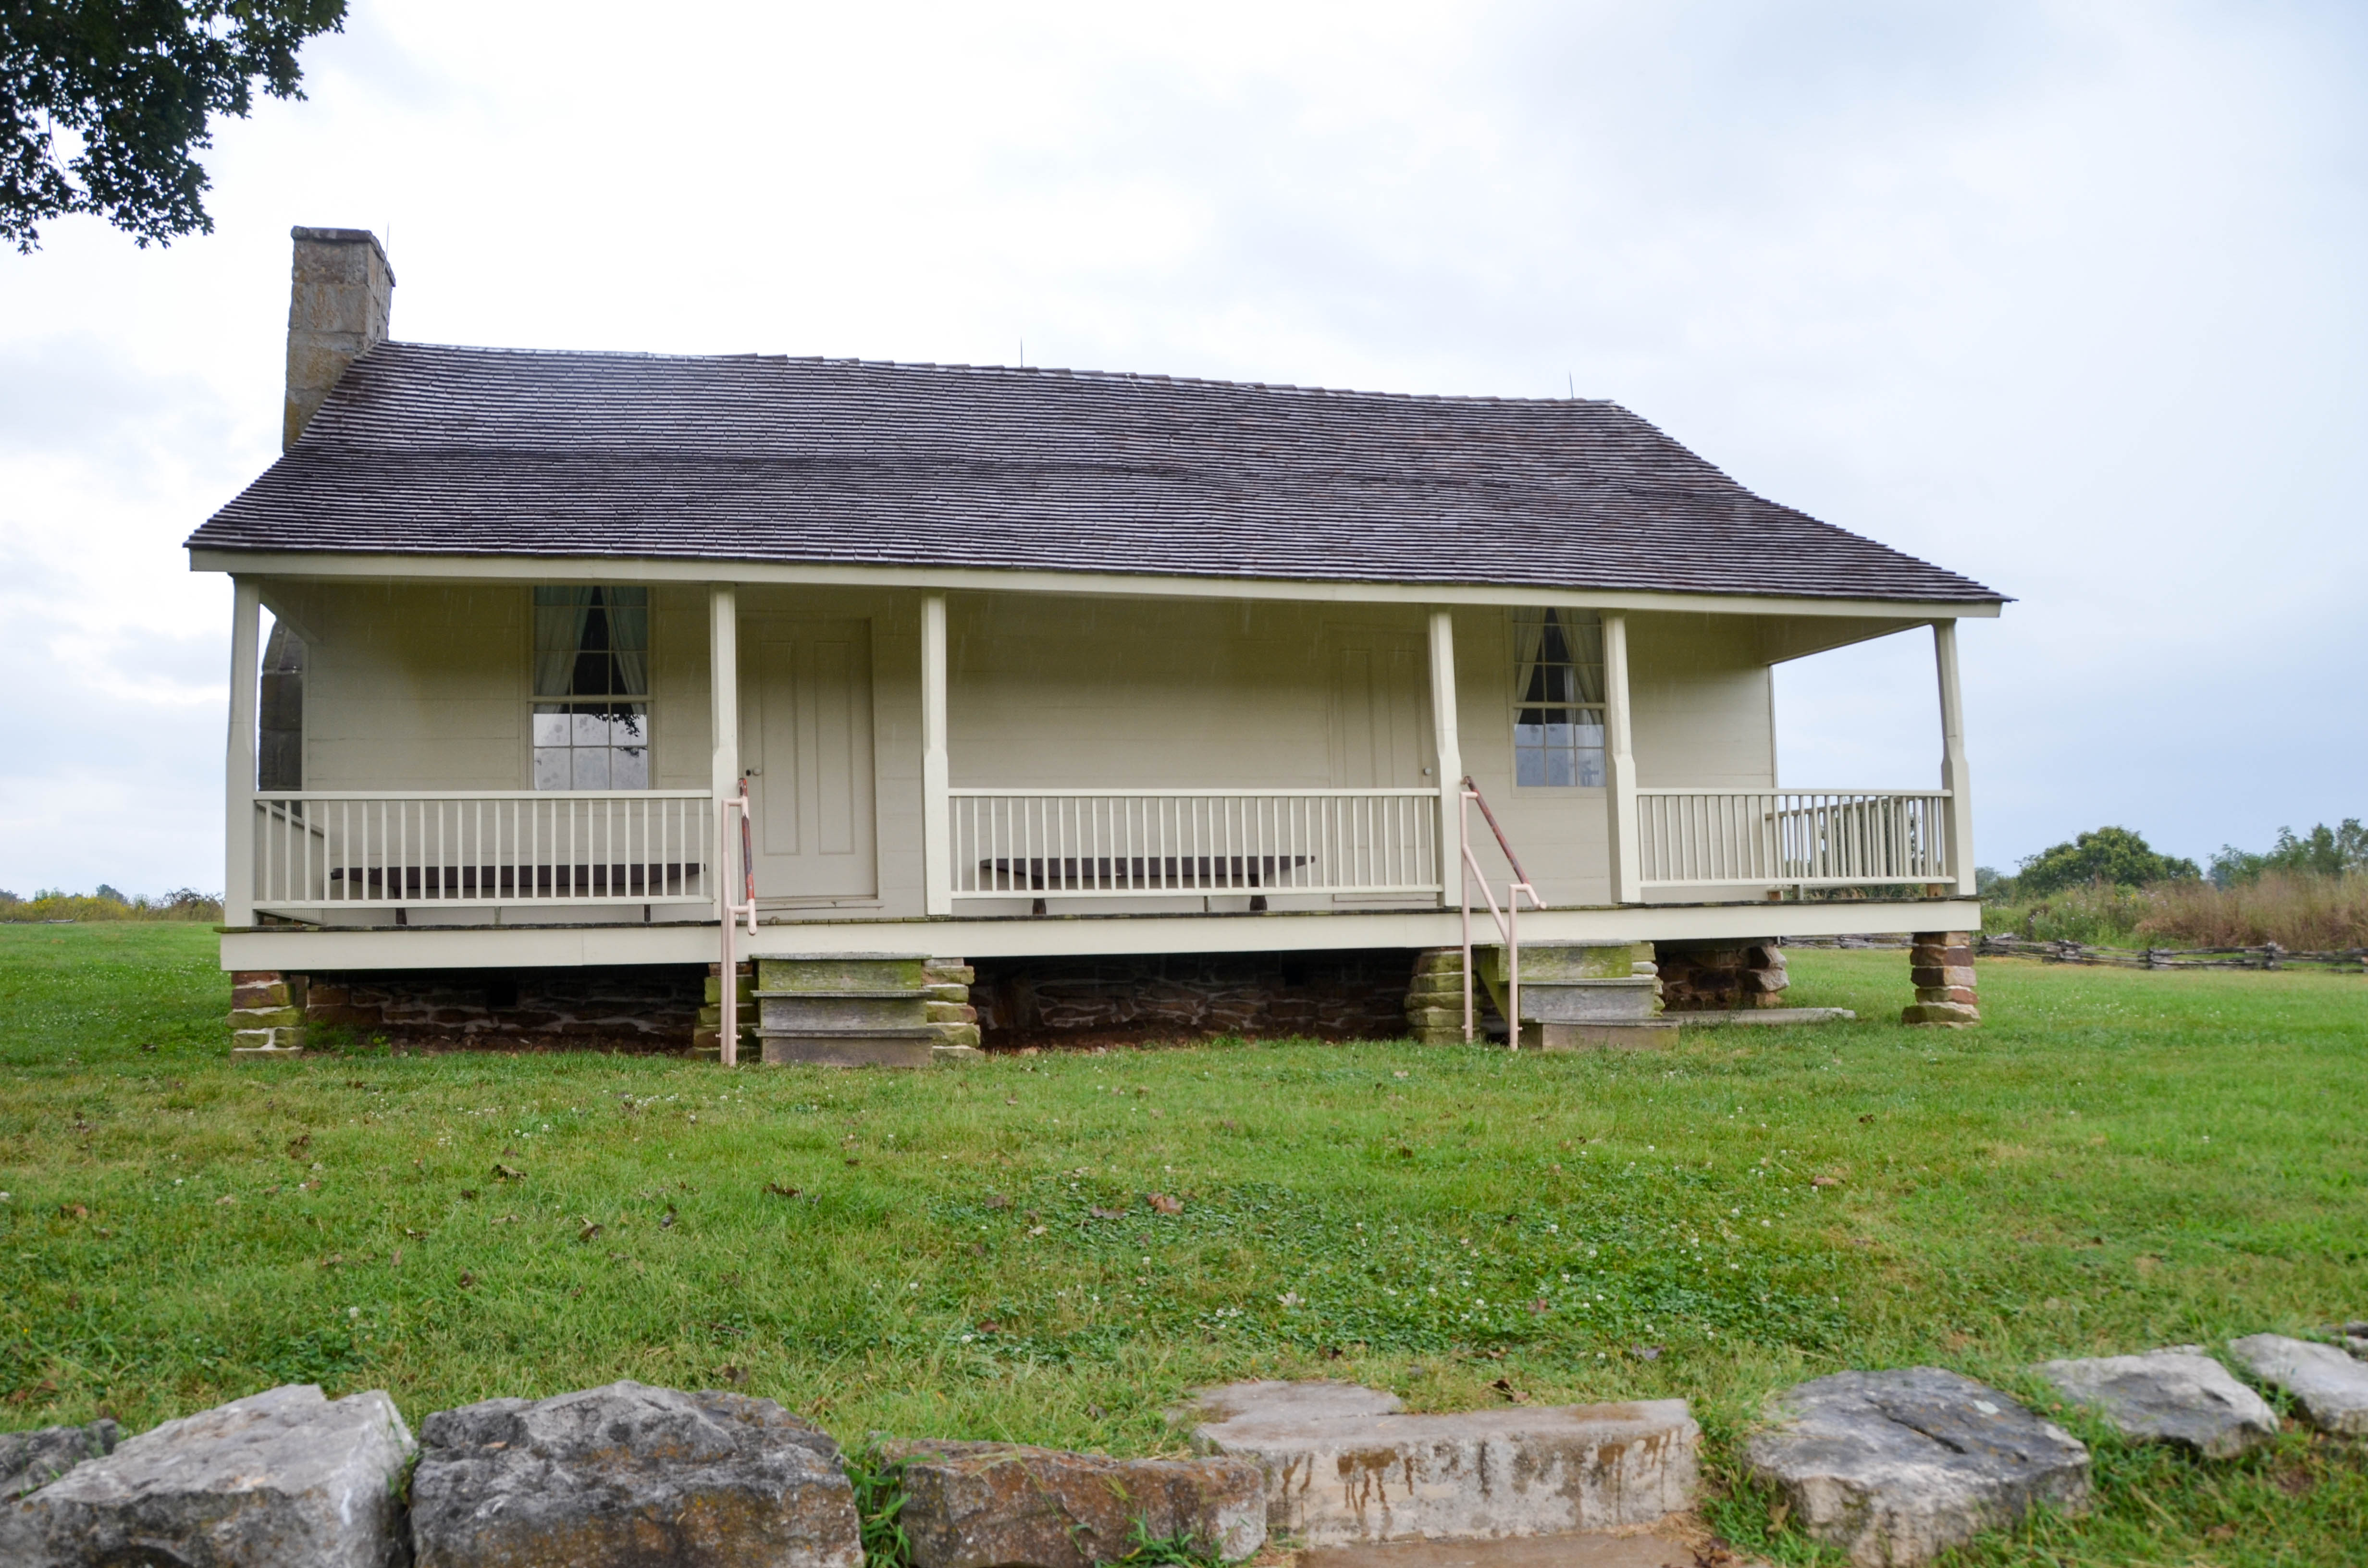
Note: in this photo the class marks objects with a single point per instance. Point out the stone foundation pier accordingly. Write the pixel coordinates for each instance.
(1941, 964)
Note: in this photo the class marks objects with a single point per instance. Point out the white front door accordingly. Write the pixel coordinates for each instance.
(1381, 740)
(1380, 711)
(811, 793)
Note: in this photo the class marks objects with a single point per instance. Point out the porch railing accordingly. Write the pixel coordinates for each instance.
(317, 849)
(1130, 843)
(1828, 838)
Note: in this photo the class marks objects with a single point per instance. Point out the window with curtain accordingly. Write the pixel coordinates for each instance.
(591, 689)
(1558, 697)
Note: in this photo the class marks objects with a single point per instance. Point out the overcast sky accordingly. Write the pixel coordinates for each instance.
(2064, 297)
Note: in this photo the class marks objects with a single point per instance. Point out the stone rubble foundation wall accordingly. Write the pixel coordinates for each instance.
(1354, 994)
(640, 1007)
(1721, 977)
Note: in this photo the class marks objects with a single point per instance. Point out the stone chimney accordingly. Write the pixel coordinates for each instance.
(336, 312)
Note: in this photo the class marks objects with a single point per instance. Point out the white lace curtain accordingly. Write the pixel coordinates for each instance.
(564, 617)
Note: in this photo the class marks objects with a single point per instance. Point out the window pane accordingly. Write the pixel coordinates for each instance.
(550, 727)
(591, 771)
(551, 767)
(591, 727)
(629, 727)
(628, 767)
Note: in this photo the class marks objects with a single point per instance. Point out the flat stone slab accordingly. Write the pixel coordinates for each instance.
(1008, 1505)
(1764, 1015)
(1311, 1399)
(2330, 1386)
(30, 1461)
(1366, 1476)
(1895, 1468)
(284, 1476)
(2179, 1396)
(1587, 1551)
(629, 1476)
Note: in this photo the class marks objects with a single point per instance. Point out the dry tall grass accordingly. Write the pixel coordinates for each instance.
(2299, 910)
(2293, 909)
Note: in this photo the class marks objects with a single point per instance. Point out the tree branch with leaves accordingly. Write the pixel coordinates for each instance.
(107, 102)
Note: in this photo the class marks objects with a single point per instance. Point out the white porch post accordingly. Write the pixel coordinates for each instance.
(724, 722)
(936, 778)
(238, 770)
(1619, 763)
(1960, 838)
(1448, 744)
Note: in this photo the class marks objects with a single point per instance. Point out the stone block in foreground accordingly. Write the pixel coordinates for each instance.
(629, 1476)
(1895, 1468)
(2330, 1386)
(30, 1461)
(285, 1476)
(2179, 1395)
(1006, 1505)
(1367, 1476)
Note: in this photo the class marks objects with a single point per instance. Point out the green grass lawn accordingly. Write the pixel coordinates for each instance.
(2115, 1161)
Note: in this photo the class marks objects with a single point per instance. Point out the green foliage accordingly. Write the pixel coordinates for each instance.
(880, 1505)
(2339, 851)
(2112, 1160)
(131, 86)
(2115, 855)
(1167, 1552)
(55, 905)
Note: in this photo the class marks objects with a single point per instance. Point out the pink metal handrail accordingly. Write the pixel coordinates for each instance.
(1508, 919)
(728, 987)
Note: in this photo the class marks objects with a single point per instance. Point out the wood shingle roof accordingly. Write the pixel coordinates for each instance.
(474, 451)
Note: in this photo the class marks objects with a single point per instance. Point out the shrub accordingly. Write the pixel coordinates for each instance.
(55, 904)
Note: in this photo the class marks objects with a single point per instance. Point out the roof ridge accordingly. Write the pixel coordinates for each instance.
(1068, 372)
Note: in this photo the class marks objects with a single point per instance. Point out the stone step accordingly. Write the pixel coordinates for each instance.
(1569, 961)
(862, 974)
(1345, 1467)
(851, 1048)
(1762, 1016)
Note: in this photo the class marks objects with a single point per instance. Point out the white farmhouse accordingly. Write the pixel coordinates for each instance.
(1120, 699)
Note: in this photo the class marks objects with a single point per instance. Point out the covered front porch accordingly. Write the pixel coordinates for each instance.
(1070, 767)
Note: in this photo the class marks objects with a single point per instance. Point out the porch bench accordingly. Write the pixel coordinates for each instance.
(1143, 873)
(626, 879)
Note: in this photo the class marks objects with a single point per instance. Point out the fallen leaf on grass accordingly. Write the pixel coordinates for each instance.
(778, 1190)
(1035, 1230)
(591, 1229)
(733, 1374)
(1826, 1181)
(667, 1222)
(72, 1211)
(1505, 1386)
(1166, 1205)
(2221, 1533)
(414, 1235)
(1778, 1515)
(227, 1197)
(1645, 1352)
(1099, 1213)
(997, 1200)
(1539, 1307)
(507, 1173)
(989, 1325)
(468, 1280)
